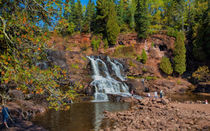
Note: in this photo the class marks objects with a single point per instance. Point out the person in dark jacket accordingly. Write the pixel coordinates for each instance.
(5, 115)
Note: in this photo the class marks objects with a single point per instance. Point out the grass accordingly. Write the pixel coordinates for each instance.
(146, 78)
(124, 52)
(84, 58)
(75, 66)
(132, 64)
(151, 78)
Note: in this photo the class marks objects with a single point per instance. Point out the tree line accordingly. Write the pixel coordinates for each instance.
(111, 17)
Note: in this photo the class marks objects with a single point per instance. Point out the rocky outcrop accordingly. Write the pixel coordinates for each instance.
(169, 85)
(159, 114)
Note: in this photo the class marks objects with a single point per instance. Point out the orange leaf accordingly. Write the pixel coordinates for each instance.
(24, 20)
(6, 81)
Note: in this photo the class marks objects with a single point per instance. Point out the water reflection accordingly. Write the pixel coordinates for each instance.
(81, 116)
(188, 97)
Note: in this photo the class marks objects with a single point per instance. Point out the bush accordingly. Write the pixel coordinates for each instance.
(143, 57)
(165, 66)
(65, 28)
(124, 28)
(153, 44)
(95, 43)
(180, 54)
(106, 44)
(172, 32)
(124, 51)
(201, 74)
(138, 58)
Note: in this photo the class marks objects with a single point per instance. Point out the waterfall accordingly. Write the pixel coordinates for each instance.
(106, 84)
(116, 66)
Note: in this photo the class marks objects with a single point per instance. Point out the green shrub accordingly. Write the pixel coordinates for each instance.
(124, 28)
(65, 28)
(165, 66)
(84, 58)
(143, 57)
(138, 58)
(153, 44)
(172, 32)
(106, 44)
(144, 69)
(201, 74)
(150, 78)
(75, 66)
(180, 54)
(95, 43)
(124, 51)
(131, 63)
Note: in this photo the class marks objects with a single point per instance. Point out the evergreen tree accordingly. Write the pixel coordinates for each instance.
(132, 10)
(72, 11)
(143, 57)
(180, 54)
(201, 43)
(78, 15)
(89, 14)
(141, 19)
(121, 12)
(112, 27)
(165, 66)
(102, 8)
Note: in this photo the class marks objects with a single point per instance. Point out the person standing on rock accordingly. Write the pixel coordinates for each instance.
(161, 93)
(155, 93)
(5, 115)
(145, 88)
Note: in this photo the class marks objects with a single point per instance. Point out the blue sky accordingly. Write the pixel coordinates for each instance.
(85, 2)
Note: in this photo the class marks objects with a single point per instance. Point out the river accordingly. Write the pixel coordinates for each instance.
(80, 117)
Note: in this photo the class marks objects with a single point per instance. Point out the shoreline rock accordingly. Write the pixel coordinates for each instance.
(161, 114)
(22, 112)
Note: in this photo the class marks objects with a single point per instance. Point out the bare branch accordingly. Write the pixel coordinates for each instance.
(41, 6)
(4, 29)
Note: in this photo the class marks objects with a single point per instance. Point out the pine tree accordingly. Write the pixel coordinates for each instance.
(165, 66)
(72, 12)
(102, 8)
(112, 27)
(78, 15)
(121, 12)
(132, 10)
(143, 57)
(89, 14)
(201, 43)
(141, 19)
(180, 54)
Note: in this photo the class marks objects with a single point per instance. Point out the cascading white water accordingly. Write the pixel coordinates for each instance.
(116, 66)
(106, 84)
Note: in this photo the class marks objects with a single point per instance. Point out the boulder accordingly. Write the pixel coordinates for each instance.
(164, 101)
(16, 94)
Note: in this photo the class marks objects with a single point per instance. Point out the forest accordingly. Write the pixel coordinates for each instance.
(27, 25)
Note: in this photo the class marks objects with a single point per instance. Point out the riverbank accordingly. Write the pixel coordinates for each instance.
(160, 114)
(21, 112)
